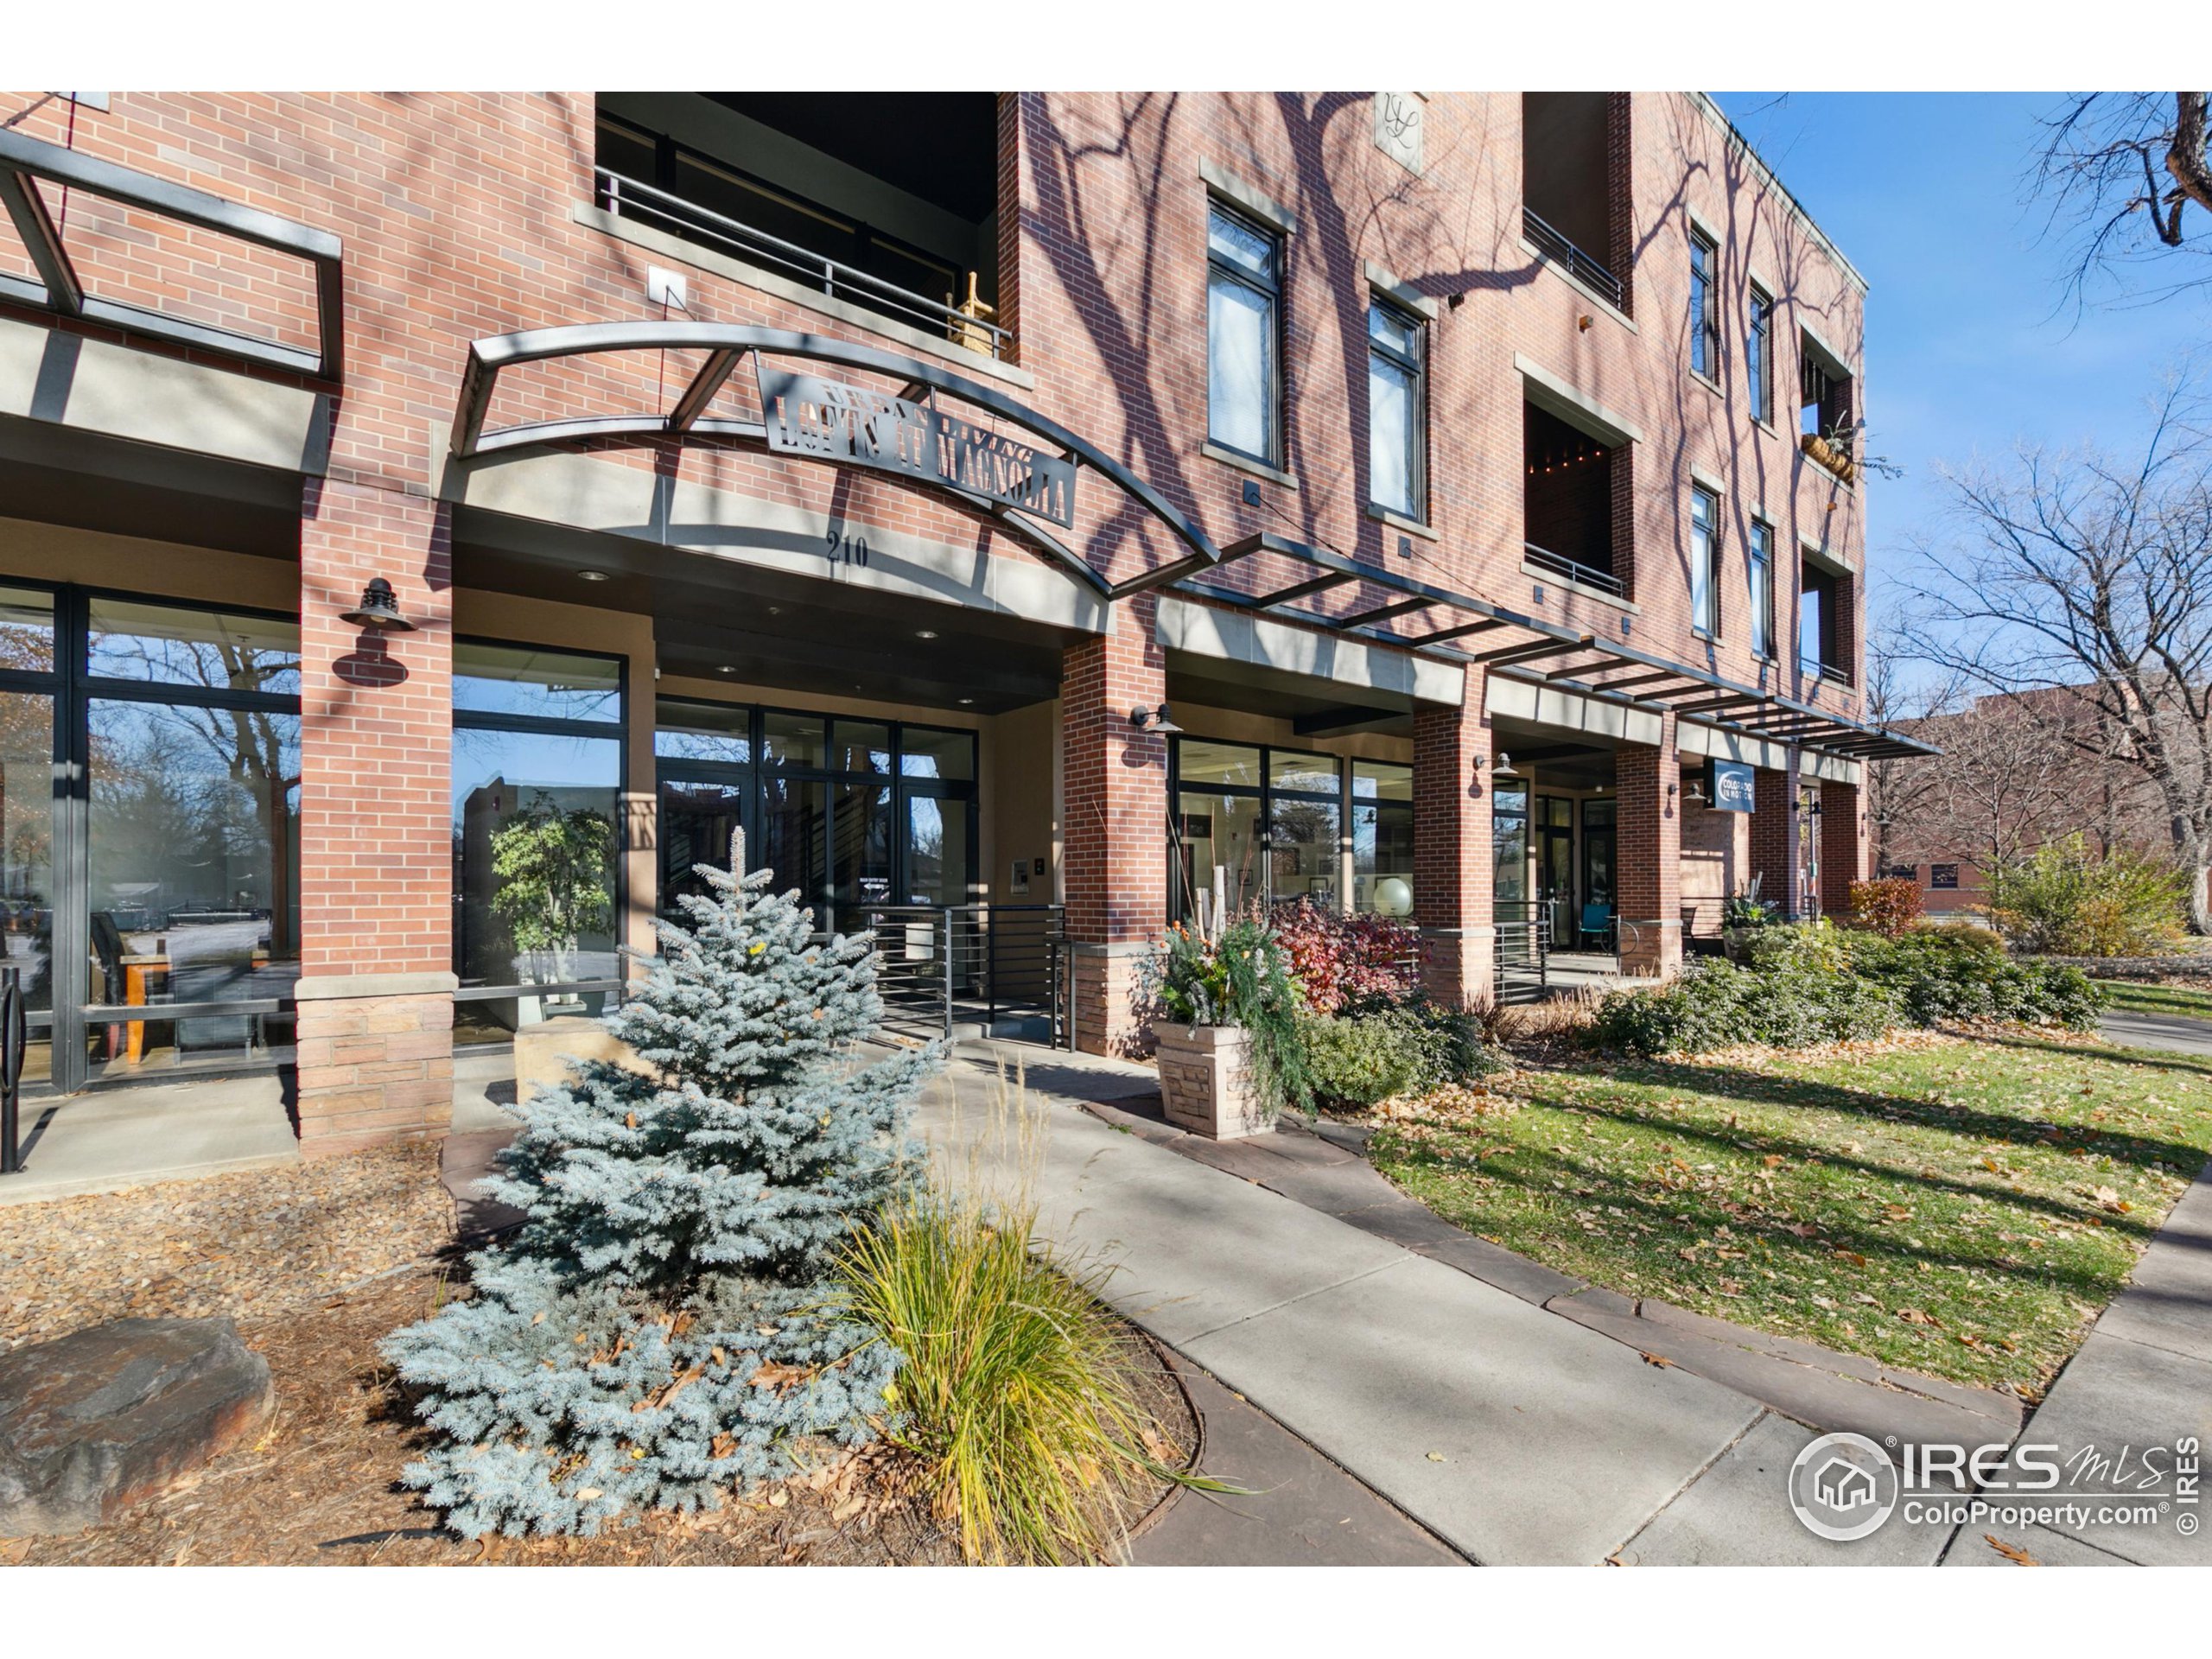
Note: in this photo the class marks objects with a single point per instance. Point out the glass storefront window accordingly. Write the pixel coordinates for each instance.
(1231, 763)
(26, 629)
(862, 746)
(524, 682)
(794, 835)
(792, 740)
(1305, 774)
(536, 829)
(1306, 847)
(1382, 837)
(27, 847)
(1221, 832)
(949, 756)
(165, 646)
(1509, 843)
(713, 732)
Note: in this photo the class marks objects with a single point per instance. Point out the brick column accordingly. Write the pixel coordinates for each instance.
(1776, 855)
(376, 846)
(1113, 825)
(1843, 846)
(1650, 853)
(1453, 863)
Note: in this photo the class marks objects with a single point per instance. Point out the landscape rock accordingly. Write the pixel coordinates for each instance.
(95, 1422)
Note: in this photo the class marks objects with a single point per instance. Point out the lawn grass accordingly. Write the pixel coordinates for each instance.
(2140, 996)
(1958, 1207)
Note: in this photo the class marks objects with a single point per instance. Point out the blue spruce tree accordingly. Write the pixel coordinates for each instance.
(653, 1333)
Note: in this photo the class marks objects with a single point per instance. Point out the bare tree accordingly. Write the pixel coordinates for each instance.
(1897, 787)
(2008, 781)
(2119, 172)
(2084, 582)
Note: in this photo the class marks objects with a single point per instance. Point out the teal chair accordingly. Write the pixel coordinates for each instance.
(1597, 926)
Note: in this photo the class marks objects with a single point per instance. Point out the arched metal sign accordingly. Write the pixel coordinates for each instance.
(1015, 480)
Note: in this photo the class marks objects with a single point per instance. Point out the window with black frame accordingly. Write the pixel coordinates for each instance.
(192, 742)
(28, 683)
(1382, 838)
(1243, 334)
(1704, 306)
(1270, 821)
(1705, 554)
(538, 745)
(1760, 551)
(1758, 356)
(1396, 409)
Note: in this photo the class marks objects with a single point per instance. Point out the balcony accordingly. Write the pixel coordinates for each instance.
(887, 202)
(1834, 454)
(1582, 575)
(1586, 268)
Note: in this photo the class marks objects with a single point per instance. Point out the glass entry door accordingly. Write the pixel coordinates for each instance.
(938, 862)
(698, 816)
(1555, 864)
(1599, 849)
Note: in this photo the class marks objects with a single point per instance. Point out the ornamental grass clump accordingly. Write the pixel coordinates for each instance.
(659, 1330)
(1017, 1393)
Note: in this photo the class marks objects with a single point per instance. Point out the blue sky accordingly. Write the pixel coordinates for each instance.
(1970, 343)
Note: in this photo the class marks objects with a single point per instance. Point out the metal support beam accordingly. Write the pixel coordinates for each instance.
(705, 387)
(43, 241)
(1529, 653)
(1383, 613)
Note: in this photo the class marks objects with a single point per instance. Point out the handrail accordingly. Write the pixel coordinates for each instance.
(1554, 243)
(1573, 569)
(618, 191)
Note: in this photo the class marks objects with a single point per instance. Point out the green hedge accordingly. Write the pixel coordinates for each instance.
(1356, 1060)
(1813, 984)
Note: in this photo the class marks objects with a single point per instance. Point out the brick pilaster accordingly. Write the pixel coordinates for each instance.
(1779, 839)
(1114, 815)
(1620, 193)
(1648, 778)
(1453, 861)
(376, 869)
(1843, 846)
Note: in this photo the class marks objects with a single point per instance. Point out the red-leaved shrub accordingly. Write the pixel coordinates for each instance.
(1889, 906)
(1348, 961)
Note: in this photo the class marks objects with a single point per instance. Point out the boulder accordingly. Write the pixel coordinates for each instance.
(100, 1419)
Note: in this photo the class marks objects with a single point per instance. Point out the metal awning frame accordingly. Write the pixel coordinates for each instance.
(726, 345)
(58, 289)
(1435, 616)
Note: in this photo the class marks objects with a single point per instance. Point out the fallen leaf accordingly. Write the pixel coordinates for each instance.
(1851, 1257)
(1438, 1457)
(2012, 1552)
(1913, 1316)
(1660, 1360)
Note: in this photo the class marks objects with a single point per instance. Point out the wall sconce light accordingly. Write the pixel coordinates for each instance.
(379, 609)
(1582, 325)
(1155, 720)
(1503, 768)
(1673, 790)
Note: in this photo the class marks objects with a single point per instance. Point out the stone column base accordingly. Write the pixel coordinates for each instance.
(1102, 1016)
(375, 1063)
(1654, 950)
(1458, 966)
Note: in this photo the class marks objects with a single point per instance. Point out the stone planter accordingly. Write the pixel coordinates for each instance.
(1736, 942)
(543, 1053)
(1206, 1080)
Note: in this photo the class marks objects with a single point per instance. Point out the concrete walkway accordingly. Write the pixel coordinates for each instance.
(2177, 1033)
(1513, 1434)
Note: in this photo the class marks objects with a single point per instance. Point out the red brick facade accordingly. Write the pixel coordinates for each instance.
(468, 216)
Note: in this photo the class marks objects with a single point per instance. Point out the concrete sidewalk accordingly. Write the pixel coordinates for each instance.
(2176, 1033)
(1513, 1434)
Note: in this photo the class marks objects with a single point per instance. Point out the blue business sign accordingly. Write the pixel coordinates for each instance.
(1729, 786)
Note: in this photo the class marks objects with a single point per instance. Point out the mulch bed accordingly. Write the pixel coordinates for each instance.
(317, 1263)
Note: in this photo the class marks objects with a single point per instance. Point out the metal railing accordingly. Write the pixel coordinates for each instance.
(943, 966)
(627, 197)
(15, 1042)
(1585, 575)
(1555, 245)
(1524, 938)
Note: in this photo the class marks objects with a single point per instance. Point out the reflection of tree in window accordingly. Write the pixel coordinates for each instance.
(555, 874)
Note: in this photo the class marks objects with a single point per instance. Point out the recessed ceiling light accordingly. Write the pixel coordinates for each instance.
(592, 575)
(924, 633)
(964, 702)
(726, 669)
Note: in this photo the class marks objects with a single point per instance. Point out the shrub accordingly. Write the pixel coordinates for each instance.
(652, 1335)
(1946, 975)
(1014, 1391)
(1887, 906)
(1348, 964)
(1715, 1004)
(2066, 900)
(1356, 1060)
(1744, 908)
(1241, 978)
(1812, 947)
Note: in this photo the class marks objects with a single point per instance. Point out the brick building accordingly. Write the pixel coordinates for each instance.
(1026, 515)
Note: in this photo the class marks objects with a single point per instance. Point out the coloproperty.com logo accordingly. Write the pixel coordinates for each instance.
(1845, 1487)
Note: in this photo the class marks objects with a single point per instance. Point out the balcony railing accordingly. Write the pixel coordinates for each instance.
(1555, 246)
(967, 326)
(1825, 673)
(1582, 576)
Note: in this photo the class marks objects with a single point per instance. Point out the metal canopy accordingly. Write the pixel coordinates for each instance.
(61, 290)
(726, 345)
(1432, 617)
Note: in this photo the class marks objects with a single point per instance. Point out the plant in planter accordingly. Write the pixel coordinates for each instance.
(1226, 1029)
(1742, 915)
